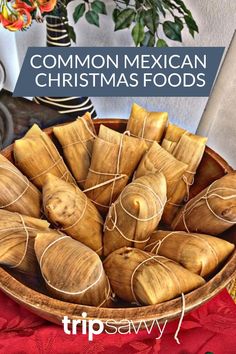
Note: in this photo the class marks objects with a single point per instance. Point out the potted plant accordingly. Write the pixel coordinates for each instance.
(152, 22)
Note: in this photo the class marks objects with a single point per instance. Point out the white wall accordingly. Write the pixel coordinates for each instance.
(218, 120)
(13, 47)
(8, 56)
(216, 20)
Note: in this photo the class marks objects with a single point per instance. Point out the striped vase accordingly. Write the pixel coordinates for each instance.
(72, 106)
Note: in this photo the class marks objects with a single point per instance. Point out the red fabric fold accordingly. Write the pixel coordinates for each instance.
(210, 328)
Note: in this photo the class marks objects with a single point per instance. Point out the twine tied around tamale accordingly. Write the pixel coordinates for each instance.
(87, 127)
(22, 178)
(146, 139)
(157, 244)
(188, 185)
(80, 217)
(117, 175)
(46, 200)
(106, 182)
(206, 196)
(176, 280)
(47, 170)
(174, 204)
(26, 229)
(56, 163)
(109, 295)
(82, 141)
(143, 131)
(57, 289)
(113, 209)
(154, 258)
(99, 249)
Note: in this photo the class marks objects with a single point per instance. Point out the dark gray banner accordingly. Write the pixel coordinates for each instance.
(118, 71)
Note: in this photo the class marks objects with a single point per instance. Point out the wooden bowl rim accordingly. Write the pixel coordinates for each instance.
(53, 309)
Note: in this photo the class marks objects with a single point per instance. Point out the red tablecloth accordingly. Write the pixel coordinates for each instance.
(211, 328)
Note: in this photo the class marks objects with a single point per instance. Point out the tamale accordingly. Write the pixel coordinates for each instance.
(114, 159)
(212, 211)
(17, 193)
(76, 139)
(147, 279)
(36, 155)
(146, 125)
(68, 208)
(72, 271)
(189, 150)
(199, 253)
(135, 214)
(157, 160)
(17, 236)
(172, 137)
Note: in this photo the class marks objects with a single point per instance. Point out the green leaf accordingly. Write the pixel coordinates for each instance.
(115, 14)
(151, 20)
(124, 19)
(192, 26)
(182, 5)
(161, 43)
(71, 33)
(179, 21)
(138, 33)
(160, 7)
(172, 30)
(166, 5)
(99, 7)
(78, 12)
(92, 18)
(179, 9)
(149, 40)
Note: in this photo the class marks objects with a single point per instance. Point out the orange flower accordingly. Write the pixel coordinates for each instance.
(23, 5)
(17, 16)
(15, 20)
(46, 5)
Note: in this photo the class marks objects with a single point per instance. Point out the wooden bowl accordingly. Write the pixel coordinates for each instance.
(29, 295)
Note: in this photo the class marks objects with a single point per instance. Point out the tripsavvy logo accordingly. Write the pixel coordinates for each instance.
(93, 327)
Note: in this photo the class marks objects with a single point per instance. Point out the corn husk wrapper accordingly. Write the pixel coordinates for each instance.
(149, 126)
(212, 211)
(189, 150)
(172, 137)
(157, 160)
(146, 279)
(199, 253)
(36, 155)
(68, 208)
(77, 139)
(17, 193)
(114, 159)
(17, 236)
(72, 271)
(135, 214)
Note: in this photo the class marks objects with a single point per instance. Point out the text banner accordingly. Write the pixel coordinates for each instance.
(118, 71)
